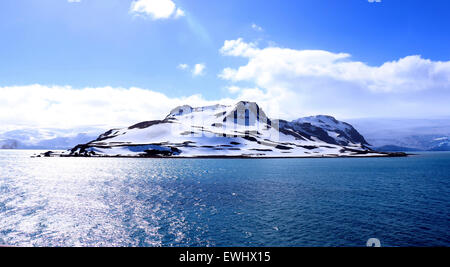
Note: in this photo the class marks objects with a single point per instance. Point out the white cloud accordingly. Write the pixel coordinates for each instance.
(74, 1)
(156, 9)
(233, 89)
(196, 70)
(316, 81)
(266, 65)
(39, 106)
(238, 48)
(183, 66)
(199, 69)
(243, 91)
(257, 28)
(374, 1)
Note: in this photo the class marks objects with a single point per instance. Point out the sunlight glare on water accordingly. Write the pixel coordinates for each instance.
(213, 202)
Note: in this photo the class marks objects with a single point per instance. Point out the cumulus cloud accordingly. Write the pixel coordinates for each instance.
(156, 9)
(266, 65)
(317, 81)
(42, 106)
(374, 1)
(199, 69)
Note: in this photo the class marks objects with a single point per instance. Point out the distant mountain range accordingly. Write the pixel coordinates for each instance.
(405, 134)
(242, 130)
(55, 139)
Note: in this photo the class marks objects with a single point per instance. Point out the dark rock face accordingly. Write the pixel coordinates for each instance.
(106, 135)
(80, 148)
(162, 153)
(281, 147)
(321, 126)
(397, 154)
(146, 124)
(353, 135)
(250, 138)
(308, 130)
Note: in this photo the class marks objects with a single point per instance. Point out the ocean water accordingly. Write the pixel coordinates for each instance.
(217, 202)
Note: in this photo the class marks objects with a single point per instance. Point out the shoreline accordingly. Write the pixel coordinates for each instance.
(387, 155)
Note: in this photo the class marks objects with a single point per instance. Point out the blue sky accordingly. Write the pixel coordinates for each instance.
(114, 44)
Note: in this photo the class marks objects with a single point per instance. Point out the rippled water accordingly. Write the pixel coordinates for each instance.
(216, 202)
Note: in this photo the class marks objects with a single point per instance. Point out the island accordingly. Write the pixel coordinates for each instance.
(242, 130)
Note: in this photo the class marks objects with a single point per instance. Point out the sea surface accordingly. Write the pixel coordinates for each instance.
(224, 202)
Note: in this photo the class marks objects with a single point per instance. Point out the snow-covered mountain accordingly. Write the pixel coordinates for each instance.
(242, 130)
(332, 130)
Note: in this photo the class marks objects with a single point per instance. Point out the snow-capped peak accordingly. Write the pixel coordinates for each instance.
(342, 132)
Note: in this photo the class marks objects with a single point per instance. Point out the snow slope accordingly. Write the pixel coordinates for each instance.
(217, 131)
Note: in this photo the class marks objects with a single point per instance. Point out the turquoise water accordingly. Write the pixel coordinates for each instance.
(216, 202)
